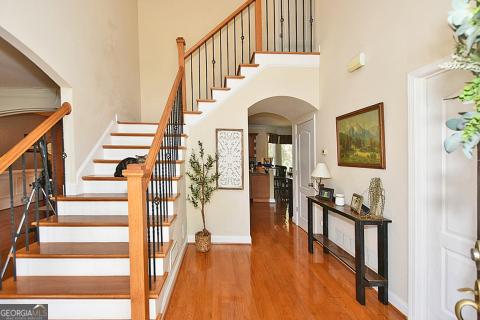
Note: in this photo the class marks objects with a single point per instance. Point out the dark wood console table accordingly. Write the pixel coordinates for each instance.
(364, 276)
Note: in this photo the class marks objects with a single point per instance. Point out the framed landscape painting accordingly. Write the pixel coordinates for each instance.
(361, 138)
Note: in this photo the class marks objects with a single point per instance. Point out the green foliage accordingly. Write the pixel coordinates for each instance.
(464, 19)
(203, 179)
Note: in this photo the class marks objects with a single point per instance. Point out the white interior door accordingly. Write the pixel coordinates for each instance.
(305, 166)
(452, 203)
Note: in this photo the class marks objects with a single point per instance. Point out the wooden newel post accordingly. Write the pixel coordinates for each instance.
(181, 63)
(258, 25)
(138, 243)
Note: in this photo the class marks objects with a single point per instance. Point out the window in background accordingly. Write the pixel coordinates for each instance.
(272, 152)
(286, 152)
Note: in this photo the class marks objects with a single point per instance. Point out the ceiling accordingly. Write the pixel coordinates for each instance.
(17, 71)
(269, 119)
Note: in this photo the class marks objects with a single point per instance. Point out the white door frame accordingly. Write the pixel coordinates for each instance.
(417, 188)
(296, 188)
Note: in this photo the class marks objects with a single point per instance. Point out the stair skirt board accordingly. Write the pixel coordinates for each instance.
(99, 207)
(136, 141)
(137, 128)
(125, 153)
(87, 308)
(96, 186)
(91, 234)
(109, 168)
(81, 266)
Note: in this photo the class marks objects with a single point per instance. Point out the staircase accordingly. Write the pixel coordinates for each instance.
(113, 250)
(81, 261)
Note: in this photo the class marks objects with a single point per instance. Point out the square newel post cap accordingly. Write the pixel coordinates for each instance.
(180, 40)
(134, 170)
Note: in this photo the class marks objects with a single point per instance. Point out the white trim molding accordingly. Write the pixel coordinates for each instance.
(417, 189)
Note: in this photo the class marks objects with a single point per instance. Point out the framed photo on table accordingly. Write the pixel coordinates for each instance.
(230, 159)
(326, 194)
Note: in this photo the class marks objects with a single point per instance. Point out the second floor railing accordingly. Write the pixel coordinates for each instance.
(256, 26)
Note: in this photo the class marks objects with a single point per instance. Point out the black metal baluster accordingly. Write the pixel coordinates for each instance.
(249, 35)
(289, 29)
(157, 206)
(228, 54)
(311, 26)
(12, 224)
(243, 35)
(303, 24)
(199, 74)
(266, 19)
(37, 193)
(159, 218)
(152, 226)
(296, 26)
(191, 78)
(213, 58)
(206, 71)
(148, 241)
(282, 32)
(54, 164)
(235, 43)
(274, 26)
(25, 202)
(221, 60)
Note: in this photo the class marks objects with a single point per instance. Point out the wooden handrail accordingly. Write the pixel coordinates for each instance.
(157, 140)
(20, 148)
(217, 28)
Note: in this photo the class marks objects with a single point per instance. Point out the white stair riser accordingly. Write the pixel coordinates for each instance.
(119, 154)
(91, 234)
(99, 208)
(116, 186)
(137, 128)
(109, 168)
(190, 119)
(232, 83)
(248, 71)
(135, 141)
(87, 308)
(218, 95)
(80, 267)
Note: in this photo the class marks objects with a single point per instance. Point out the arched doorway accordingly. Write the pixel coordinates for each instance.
(280, 123)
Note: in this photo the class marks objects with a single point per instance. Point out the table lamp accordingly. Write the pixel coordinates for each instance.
(321, 172)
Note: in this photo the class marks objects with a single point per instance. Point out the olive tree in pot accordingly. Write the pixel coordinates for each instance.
(203, 182)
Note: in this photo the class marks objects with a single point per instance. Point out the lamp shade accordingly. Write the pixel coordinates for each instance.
(321, 171)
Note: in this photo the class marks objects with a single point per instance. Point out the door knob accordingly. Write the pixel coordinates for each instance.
(466, 302)
(476, 254)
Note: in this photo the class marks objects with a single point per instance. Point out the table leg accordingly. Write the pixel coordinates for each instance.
(382, 242)
(310, 226)
(325, 228)
(360, 262)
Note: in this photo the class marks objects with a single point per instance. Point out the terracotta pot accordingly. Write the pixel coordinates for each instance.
(203, 241)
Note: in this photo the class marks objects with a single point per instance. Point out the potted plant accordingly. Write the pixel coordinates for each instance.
(203, 182)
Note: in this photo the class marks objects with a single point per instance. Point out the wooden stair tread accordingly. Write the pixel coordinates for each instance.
(114, 146)
(220, 88)
(113, 161)
(127, 134)
(104, 197)
(83, 250)
(206, 100)
(246, 65)
(234, 77)
(68, 287)
(118, 179)
(92, 221)
(193, 112)
(141, 123)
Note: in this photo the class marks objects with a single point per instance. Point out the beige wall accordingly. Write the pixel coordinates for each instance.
(396, 38)
(160, 23)
(88, 45)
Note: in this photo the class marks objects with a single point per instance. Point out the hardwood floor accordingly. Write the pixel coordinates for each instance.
(275, 278)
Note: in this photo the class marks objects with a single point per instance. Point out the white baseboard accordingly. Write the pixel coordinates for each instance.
(225, 239)
(398, 303)
(171, 279)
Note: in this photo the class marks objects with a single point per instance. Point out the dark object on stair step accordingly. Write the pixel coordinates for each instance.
(122, 165)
